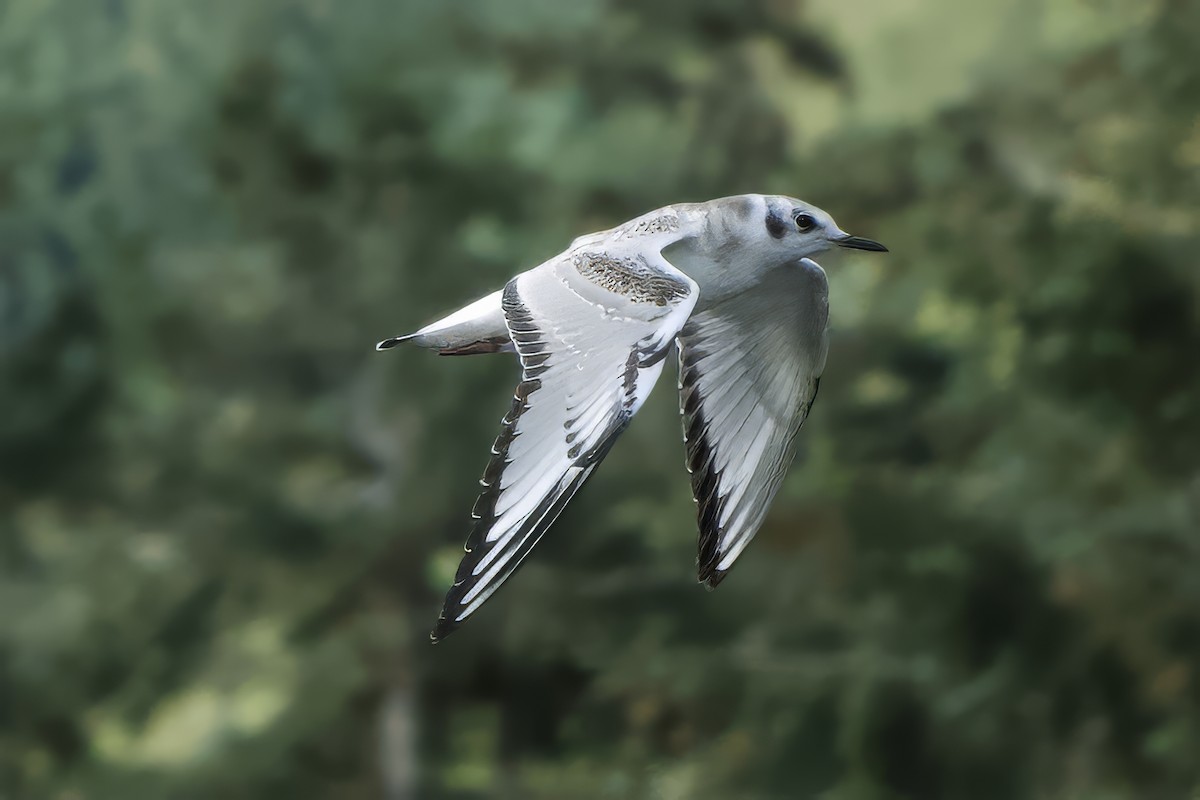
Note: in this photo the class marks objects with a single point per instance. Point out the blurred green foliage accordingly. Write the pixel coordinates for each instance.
(227, 523)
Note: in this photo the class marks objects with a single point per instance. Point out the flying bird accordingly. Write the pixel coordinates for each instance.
(729, 285)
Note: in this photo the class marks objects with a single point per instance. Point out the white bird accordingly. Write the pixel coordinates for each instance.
(730, 284)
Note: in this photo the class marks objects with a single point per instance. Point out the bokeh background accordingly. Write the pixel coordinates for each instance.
(226, 523)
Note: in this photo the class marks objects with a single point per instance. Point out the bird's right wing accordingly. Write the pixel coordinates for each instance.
(749, 368)
(592, 329)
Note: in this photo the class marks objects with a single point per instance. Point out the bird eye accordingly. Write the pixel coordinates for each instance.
(804, 222)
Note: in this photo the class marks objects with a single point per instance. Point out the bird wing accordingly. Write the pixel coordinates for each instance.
(749, 368)
(592, 329)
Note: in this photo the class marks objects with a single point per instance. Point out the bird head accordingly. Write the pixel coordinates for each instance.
(804, 230)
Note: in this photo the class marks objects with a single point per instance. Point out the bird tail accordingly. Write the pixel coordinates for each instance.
(477, 328)
(462, 348)
(388, 344)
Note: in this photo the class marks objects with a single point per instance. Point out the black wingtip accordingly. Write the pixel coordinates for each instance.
(443, 629)
(711, 577)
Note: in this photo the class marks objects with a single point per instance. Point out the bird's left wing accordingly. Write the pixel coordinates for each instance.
(592, 329)
(749, 367)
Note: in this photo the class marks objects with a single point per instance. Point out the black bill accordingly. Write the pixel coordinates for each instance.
(860, 243)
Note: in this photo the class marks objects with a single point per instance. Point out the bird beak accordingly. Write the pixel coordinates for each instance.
(859, 243)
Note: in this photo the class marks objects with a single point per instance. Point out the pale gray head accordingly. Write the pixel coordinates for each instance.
(741, 238)
(752, 232)
(805, 230)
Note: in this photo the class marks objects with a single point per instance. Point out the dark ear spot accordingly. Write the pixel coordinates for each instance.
(776, 225)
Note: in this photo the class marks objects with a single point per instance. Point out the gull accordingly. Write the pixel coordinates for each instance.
(730, 288)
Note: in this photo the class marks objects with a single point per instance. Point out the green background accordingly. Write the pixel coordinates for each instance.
(226, 523)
